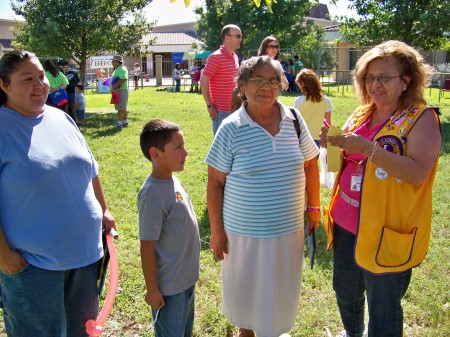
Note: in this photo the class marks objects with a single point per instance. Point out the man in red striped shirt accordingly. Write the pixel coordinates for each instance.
(219, 76)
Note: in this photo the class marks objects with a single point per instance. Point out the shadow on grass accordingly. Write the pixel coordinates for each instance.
(100, 124)
(445, 131)
(324, 259)
(203, 227)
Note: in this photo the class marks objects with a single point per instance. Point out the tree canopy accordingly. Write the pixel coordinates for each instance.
(78, 29)
(287, 23)
(419, 23)
(257, 3)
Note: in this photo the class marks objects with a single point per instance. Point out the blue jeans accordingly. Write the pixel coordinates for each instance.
(384, 292)
(71, 97)
(177, 84)
(221, 115)
(45, 303)
(176, 318)
(81, 114)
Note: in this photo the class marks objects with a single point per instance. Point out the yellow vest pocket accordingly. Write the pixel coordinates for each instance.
(395, 249)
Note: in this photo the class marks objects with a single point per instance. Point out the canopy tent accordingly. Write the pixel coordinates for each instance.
(202, 55)
(191, 55)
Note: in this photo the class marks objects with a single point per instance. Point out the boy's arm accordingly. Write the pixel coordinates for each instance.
(153, 297)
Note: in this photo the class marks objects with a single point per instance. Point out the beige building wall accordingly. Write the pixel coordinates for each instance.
(5, 29)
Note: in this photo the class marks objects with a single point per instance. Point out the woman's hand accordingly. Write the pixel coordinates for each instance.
(12, 263)
(323, 136)
(108, 221)
(352, 143)
(313, 221)
(219, 244)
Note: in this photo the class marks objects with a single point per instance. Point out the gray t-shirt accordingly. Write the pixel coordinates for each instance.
(166, 216)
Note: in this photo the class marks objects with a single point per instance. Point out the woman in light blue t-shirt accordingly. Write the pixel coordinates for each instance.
(52, 209)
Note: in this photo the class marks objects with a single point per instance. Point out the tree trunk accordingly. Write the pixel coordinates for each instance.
(83, 70)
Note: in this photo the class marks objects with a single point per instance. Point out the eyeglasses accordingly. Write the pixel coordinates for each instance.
(271, 46)
(260, 82)
(380, 79)
(237, 36)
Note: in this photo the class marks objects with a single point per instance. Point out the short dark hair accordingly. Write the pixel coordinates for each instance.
(79, 86)
(245, 71)
(226, 29)
(65, 63)
(156, 133)
(248, 67)
(9, 63)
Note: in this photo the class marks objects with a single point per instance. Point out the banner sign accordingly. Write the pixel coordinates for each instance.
(101, 62)
(177, 58)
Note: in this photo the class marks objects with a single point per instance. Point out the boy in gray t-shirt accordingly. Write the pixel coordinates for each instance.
(168, 230)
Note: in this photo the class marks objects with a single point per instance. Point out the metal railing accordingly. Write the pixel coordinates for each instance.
(343, 80)
(147, 78)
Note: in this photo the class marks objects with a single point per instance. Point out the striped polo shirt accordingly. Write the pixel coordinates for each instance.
(265, 187)
(221, 68)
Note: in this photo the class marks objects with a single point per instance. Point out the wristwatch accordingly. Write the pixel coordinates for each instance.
(209, 105)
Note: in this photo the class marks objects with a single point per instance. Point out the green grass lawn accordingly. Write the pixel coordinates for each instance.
(123, 169)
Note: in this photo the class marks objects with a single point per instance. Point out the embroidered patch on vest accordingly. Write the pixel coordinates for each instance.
(413, 112)
(391, 143)
(402, 130)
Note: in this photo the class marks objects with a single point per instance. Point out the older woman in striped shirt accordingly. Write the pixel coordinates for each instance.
(258, 170)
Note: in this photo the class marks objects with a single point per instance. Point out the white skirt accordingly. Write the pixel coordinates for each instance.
(261, 280)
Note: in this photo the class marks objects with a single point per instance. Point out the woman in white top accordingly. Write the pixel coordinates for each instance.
(271, 47)
(177, 76)
(136, 74)
(313, 105)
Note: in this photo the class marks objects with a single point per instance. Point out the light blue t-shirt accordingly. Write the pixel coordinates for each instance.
(264, 193)
(166, 216)
(79, 98)
(48, 210)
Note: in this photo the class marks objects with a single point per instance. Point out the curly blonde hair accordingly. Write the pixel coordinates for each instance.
(409, 63)
(311, 85)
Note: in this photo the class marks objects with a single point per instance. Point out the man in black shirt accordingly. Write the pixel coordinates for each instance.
(73, 79)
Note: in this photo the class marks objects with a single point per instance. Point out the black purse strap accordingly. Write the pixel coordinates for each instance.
(296, 122)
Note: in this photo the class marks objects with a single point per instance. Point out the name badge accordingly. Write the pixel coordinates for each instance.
(355, 184)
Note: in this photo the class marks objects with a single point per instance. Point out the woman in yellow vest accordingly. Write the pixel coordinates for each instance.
(379, 219)
(314, 106)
